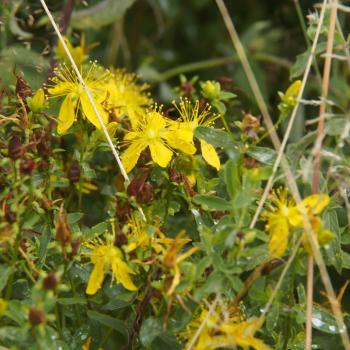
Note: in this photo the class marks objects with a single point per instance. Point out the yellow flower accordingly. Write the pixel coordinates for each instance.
(105, 257)
(285, 215)
(221, 330)
(190, 118)
(66, 83)
(152, 131)
(136, 233)
(288, 99)
(126, 96)
(279, 220)
(173, 261)
(79, 53)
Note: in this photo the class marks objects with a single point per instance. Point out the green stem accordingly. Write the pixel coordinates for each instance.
(215, 62)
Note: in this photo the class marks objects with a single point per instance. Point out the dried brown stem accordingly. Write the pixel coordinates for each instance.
(317, 163)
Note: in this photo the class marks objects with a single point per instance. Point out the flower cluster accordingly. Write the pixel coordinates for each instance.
(285, 215)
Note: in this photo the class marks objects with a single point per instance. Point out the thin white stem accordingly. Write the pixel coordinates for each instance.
(87, 91)
(201, 326)
(89, 96)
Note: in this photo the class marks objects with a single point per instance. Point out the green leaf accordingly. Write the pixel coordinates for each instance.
(215, 137)
(44, 244)
(71, 301)
(232, 179)
(166, 341)
(212, 202)
(272, 317)
(263, 154)
(300, 64)
(324, 321)
(108, 321)
(72, 218)
(213, 284)
(101, 14)
(151, 328)
(5, 272)
(96, 230)
(335, 125)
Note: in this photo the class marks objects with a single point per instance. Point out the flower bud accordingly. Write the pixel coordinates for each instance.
(37, 102)
(51, 281)
(74, 172)
(211, 89)
(15, 148)
(36, 316)
(27, 166)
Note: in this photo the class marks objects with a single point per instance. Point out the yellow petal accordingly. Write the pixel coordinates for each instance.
(314, 203)
(155, 121)
(185, 131)
(278, 236)
(160, 153)
(176, 142)
(89, 111)
(176, 280)
(121, 273)
(294, 216)
(132, 154)
(209, 154)
(66, 115)
(96, 278)
(61, 88)
(112, 128)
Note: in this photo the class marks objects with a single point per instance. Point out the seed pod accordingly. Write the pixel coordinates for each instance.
(250, 125)
(15, 148)
(120, 239)
(23, 90)
(10, 216)
(250, 163)
(63, 232)
(174, 175)
(36, 316)
(27, 166)
(225, 83)
(51, 281)
(74, 172)
(75, 244)
(217, 214)
(145, 195)
(123, 211)
(187, 88)
(137, 184)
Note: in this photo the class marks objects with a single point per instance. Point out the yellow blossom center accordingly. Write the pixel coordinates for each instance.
(151, 134)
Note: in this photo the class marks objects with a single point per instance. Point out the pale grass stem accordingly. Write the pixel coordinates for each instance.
(211, 310)
(289, 176)
(316, 165)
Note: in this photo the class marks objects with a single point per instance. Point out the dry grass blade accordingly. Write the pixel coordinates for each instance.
(317, 161)
(289, 176)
